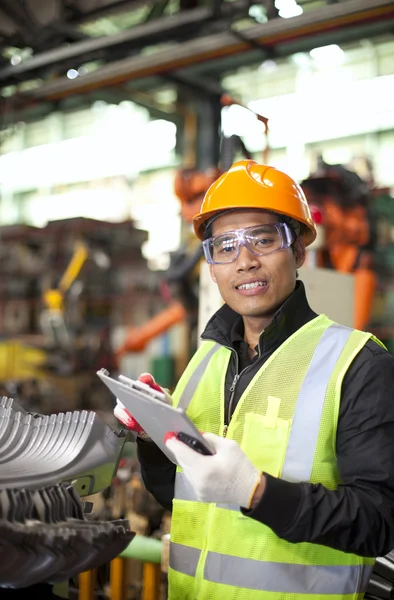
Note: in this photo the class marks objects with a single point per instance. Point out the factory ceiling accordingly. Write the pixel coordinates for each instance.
(65, 53)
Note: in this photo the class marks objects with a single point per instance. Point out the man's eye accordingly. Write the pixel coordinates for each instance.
(265, 241)
(224, 248)
(224, 245)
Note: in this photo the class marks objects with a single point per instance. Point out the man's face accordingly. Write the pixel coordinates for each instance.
(276, 271)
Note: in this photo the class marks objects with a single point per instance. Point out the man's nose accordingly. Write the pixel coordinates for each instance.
(246, 259)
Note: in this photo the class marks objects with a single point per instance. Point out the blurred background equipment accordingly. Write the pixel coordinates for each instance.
(52, 318)
(115, 118)
(204, 164)
(75, 280)
(340, 202)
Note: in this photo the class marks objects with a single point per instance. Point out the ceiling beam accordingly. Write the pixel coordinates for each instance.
(195, 85)
(155, 30)
(76, 16)
(343, 17)
(15, 14)
(157, 10)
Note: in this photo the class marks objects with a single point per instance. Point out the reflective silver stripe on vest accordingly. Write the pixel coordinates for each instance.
(230, 507)
(184, 559)
(305, 427)
(195, 378)
(285, 577)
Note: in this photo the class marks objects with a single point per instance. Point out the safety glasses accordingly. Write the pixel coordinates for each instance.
(260, 240)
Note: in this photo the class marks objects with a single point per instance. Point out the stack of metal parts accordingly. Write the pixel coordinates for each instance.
(46, 464)
(44, 537)
(381, 584)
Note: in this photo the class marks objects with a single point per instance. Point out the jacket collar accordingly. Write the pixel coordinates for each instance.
(226, 326)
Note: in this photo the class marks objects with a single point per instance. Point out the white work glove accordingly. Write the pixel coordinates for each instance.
(127, 419)
(226, 477)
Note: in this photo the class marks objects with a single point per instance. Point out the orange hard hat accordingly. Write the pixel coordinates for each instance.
(250, 185)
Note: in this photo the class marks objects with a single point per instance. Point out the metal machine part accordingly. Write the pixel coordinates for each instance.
(76, 447)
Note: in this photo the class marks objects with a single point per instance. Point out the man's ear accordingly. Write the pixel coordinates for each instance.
(211, 272)
(299, 252)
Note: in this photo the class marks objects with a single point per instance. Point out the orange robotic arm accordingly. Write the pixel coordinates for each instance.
(139, 337)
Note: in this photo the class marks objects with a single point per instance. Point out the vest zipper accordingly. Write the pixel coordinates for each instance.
(232, 390)
(230, 402)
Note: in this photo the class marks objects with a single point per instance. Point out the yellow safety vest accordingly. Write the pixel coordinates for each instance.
(285, 422)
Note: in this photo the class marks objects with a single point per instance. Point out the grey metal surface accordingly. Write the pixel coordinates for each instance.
(76, 446)
(156, 417)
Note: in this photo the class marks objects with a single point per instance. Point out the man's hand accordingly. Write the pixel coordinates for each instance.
(226, 477)
(123, 415)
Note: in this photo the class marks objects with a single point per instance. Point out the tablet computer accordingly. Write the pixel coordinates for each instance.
(156, 417)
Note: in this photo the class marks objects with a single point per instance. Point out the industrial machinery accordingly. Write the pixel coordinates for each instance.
(43, 519)
(340, 202)
(56, 326)
(52, 317)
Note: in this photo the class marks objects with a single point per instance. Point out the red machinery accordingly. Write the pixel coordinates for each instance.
(339, 201)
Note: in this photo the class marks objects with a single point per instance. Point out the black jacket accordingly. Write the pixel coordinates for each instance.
(358, 517)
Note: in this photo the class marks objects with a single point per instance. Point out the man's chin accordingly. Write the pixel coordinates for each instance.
(264, 311)
(267, 314)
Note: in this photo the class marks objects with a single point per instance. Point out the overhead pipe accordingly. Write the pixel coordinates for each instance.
(161, 28)
(342, 15)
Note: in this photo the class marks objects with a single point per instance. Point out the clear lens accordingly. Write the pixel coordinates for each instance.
(224, 248)
(259, 239)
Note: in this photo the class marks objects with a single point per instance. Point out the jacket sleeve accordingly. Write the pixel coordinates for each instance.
(358, 517)
(157, 471)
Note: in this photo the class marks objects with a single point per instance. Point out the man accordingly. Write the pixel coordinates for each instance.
(298, 498)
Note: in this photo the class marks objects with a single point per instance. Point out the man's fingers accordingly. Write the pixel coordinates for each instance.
(150, 380)
(215, 441)
(169, 436)
(182, 452)
(146, 378)
(127, 419)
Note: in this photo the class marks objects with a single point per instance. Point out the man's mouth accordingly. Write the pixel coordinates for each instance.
(252, 285)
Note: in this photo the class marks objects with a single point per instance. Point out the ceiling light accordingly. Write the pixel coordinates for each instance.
(300, 59)
(72, 73)
(328, 56)
(257, 12)
(288, 8)
(15, 60)
(268, 66)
